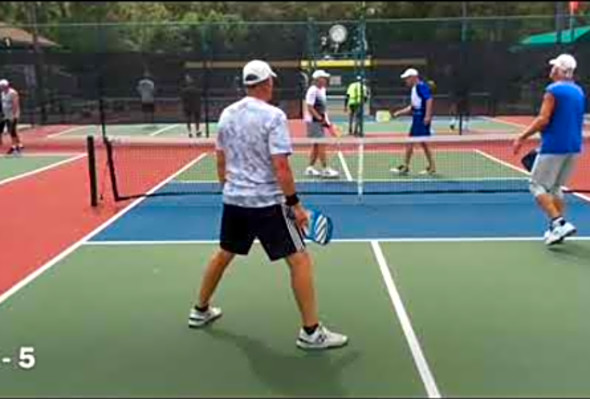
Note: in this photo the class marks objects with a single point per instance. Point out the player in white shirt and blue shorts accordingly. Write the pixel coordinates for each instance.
(316, 121)
(260, 202)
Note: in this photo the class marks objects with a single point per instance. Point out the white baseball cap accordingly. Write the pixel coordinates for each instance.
(320, 73)
(256, 71)
(409, 72)
(3, 82)
(565, 62)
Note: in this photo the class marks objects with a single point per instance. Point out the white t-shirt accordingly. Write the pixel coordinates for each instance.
(250, 132)
(146, 89)
(317, 98)
(7, 104)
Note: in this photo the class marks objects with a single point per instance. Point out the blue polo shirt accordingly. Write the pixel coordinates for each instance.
(563, 134)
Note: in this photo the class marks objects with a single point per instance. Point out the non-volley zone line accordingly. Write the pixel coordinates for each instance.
(527, 173)
(42, 169)
(164, 129)
(73, 129)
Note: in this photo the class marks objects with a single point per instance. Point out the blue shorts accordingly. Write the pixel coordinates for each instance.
(419, 129)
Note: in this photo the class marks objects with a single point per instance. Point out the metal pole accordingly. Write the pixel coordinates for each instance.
(38, 89)
(558, 25)
(460, 110)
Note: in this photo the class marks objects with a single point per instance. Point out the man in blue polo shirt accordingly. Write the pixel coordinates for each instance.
(421, 104)
(560, 121)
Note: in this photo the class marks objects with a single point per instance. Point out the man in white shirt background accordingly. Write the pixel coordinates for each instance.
(316, 120)
(10, 115)
(146, 89)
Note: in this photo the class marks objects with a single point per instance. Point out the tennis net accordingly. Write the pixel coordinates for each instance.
(483, 164)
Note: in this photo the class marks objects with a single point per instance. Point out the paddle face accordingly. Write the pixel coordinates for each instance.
(320, 228)
(383, 116)
(529, 159)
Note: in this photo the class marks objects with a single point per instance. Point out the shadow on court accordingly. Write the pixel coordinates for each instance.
(305, 374)
(572, 250)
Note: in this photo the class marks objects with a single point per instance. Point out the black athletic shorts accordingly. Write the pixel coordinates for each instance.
(148, 107)
(192, 113)
(272, 225)
(11, 126)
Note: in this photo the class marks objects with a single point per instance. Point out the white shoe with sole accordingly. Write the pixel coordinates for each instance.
(559, 233)
(198, 319)
(330, 173)
(322, 338)
(311, 171)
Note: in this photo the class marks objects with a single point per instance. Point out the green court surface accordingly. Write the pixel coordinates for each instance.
(456, 165)
(492, 318)
(119, 328)
(499, 318)
(12, 166)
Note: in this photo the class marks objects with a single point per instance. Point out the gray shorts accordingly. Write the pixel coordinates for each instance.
(315, 130)
(551, 172)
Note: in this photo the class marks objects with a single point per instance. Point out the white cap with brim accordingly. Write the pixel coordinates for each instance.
(320, 73)
(3, 83)
(408, 73)
(256, 71)
(565, 62)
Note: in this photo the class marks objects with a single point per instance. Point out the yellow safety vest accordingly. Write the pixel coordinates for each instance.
(354, 93)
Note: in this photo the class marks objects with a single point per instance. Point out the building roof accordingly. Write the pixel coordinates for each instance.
(577, 34)
(20, 37)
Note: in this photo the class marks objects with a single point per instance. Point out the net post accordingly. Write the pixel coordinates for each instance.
(361, 160)
(111, 166)
(92, 170)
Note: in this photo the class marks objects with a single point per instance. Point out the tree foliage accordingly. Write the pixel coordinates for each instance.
(178, 26)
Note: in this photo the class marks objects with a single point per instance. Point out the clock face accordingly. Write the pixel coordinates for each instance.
(338, 33)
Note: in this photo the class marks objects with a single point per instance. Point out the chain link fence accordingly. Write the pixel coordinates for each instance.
(89, 73)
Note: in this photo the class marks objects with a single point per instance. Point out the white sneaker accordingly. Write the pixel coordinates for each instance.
(559, 233)
(311, 171)
(427, 171)
(330, 173)
(198, 319)
(322, 338)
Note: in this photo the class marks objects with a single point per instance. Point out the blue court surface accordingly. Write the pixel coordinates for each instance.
(370, 217)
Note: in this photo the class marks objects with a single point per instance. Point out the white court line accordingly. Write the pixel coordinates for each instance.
(496, 120)
(70, 130)
(40, 155)
(404, 319)
(164, 129)
(410, 179)
(343, 240)
(526, 172)
(55, 260)
(40, 170)
(344, 166)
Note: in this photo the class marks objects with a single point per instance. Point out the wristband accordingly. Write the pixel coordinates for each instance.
(292, 200)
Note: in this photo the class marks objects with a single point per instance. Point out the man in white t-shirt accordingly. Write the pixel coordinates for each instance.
(10, 104)
(146, 89)
(260, 202)
(316, 120)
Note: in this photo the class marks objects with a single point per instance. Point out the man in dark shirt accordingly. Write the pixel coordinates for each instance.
(191, 105)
